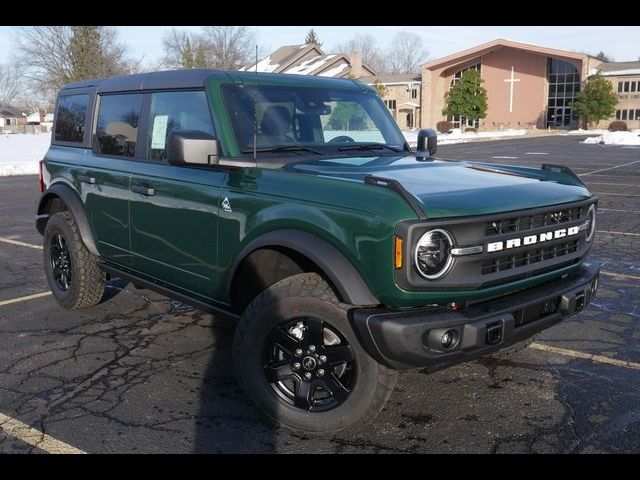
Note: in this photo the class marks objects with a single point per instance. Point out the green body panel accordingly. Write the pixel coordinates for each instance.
(182, 237)
(357, 219)
(174, 232)
(457, 189)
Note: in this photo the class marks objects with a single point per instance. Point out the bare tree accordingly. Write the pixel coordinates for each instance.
(55, 55)
(406, 53)
(228, 47)
(11, 77)
(365, 44)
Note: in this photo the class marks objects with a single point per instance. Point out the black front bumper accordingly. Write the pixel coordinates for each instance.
(404, 339)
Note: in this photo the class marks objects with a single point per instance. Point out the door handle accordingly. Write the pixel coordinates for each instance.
(141, 189)
(87, 179)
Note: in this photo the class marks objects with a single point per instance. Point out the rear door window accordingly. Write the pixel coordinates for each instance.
(71, 118)
(170, 111)
(117, 126)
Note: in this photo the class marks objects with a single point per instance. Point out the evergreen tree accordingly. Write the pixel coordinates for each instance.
(89, 56)
(604, 57)
(187, 54)
(380, 88)
(467, 98)
(596, 102)
(312, 38)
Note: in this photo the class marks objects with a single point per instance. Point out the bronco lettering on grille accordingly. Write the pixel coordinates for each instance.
(532, 239)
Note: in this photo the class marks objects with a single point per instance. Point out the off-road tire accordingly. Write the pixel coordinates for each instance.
(306, 294)
(88, 280)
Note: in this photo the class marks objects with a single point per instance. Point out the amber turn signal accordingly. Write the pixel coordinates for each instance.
(398, 250)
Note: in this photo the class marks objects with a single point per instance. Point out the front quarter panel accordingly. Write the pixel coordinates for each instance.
(357, 219)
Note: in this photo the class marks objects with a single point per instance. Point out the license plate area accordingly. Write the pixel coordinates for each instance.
(536, 312)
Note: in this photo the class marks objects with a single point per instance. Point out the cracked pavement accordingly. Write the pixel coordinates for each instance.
(143, 373)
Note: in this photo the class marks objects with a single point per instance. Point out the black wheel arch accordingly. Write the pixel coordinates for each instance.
(62, 194)
(339, 271)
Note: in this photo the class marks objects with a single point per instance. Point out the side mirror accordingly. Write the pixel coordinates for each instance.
(194, 147)
(427, 143)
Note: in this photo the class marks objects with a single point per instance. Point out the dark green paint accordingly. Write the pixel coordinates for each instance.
(183, 238)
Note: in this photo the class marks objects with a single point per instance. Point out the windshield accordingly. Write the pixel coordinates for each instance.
(315, 121)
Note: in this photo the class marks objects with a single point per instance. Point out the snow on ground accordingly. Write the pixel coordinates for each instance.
(581, 131)
(20, 153)
(616, 138)
(456, 135)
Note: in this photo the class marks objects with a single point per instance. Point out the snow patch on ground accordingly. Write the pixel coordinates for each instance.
(616, 138)
(456, 135)
(581, 131)
(20, 153)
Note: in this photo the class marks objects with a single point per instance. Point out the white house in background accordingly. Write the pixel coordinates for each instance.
(34, 118)
(311, 60)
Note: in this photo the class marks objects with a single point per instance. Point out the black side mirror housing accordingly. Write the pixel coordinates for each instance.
(427, 143)
(192, 147)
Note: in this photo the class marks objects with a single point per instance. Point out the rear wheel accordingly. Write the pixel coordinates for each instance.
(298, 358)
(72, 271)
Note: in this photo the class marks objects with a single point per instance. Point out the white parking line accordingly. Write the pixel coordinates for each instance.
(616, 184)
(20, 244)
(507, 158)
(617, 194)
(610, 232)
(616, 210)
(34, 437)
(619, 275)
(536, 153)
(609, 168)
(586, 356)
(24, 299)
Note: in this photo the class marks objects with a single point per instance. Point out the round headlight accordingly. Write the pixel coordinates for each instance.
(433, 254)
(591, 222)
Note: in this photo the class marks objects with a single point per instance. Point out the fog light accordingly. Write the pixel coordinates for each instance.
(449, 339)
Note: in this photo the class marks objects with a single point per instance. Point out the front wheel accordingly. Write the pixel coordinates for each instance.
(299, 360)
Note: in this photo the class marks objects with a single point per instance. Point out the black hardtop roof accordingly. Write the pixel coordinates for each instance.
(196, 77)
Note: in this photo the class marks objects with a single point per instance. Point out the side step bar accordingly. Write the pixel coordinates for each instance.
(167, 292)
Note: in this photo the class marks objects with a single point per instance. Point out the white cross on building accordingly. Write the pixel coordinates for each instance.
(511, 81)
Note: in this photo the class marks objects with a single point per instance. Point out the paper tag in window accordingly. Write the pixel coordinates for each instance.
(159, 134)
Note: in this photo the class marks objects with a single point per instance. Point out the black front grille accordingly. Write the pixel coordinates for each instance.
(529, 222)
(534, 255)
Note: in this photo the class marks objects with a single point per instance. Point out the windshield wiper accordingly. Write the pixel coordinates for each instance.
(368, 146)
(283, 148)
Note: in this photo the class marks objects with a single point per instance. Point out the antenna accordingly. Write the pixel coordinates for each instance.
(255, 111)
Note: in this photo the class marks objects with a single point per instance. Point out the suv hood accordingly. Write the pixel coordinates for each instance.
(452, 188)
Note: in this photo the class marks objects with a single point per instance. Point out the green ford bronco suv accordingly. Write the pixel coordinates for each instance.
(295, 205)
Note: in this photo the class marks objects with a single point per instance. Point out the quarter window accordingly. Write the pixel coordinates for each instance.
(175, 111)
(71, 118)
(117, 127)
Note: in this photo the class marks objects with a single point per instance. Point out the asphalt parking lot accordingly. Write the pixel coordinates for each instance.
(143, 373)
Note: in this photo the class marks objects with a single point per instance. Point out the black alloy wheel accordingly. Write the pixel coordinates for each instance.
(61, 262)
(309, 364)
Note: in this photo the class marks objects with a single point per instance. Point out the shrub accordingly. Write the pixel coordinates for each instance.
(618, 126)
(444, 126)
(471, 129)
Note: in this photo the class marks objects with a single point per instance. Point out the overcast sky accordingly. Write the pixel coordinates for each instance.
(619, 42)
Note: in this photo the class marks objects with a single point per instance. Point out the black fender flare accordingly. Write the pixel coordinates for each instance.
(343, 275)
(73, 203)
